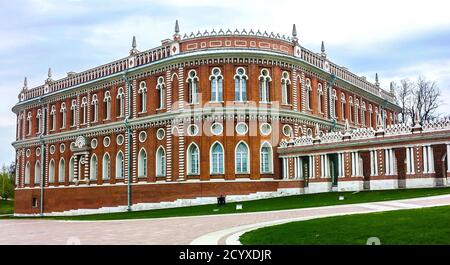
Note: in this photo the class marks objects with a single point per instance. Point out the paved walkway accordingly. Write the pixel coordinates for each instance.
(217, 229)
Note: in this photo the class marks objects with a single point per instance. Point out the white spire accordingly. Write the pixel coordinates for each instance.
(377, 81)
(133, 50)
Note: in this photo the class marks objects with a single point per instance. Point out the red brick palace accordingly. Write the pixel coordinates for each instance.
(247, 114)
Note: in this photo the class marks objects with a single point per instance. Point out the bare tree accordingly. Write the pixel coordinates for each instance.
(422, 96)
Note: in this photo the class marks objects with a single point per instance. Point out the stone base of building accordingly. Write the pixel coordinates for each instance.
(420, 182)
(85, 200)
(318, 187)
(384, 184)
(350, 185)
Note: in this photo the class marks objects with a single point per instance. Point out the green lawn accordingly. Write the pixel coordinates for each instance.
(428, 226)
(6, 207)
(283, 203)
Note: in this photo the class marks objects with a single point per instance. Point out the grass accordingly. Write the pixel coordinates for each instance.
(282, 203)
(6, 207)
(428, 226)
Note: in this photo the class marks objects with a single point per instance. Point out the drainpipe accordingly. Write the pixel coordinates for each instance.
(332, 81)
(127, 126)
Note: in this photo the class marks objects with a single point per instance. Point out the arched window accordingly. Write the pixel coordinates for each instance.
(363, 113)
(160, 162)
(84, 104)
(266, 158)
(29, 121)
(71, 169)
(142, 164)
(37, 172)
(216, 79)
(161, 92)
(107, 105)
(94, 108)
(120, 166)
(308, 91)
(143, 96)
(285, 88)
(376, 117)
(370, 116)
(334, 97)
(120, 102)
(350, 108)
(343, 107)
(264, 86)
(106, 167)
(51, 171)
(240, 85)
(27, 173)
(63, 112)
(192, 81)
(53, 117)
(93, 168)
(319, 98)
(242, 160)
(62, 171)
(357, 111)
(217, 159)
(39, 120)
(193, 159)
(73, 109)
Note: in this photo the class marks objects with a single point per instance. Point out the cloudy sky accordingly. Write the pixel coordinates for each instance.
(398, 39)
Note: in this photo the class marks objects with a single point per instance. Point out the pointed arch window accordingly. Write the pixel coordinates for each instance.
(107, 105)
(217, 159)
(192, 81)
(71, 169)
(264, 86)
(143, 96)
(37, 172)
(285, 88)
(370, 116)
(343, 107)
(29, 122)
(363, 113)
(161, 88)
(120, 103)
(106, 167)
(63, 112)
(242, 160)
(73, 109)
(266, 158)
(334, 98)
(93, 168)
(357, 111)
(39, 120)
(27, 173)
(62, 171)
(350, 108)
(216, 79)
(320, 98)
(160, 162)
(376, 116)
(51, 171)
(240, 85)
(308, 91)
(142, 164)
(120, 166)
(84, 104)
(193, 159)
(53, 117)
(94, 104)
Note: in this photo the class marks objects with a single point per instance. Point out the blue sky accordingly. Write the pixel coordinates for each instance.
(397, 39)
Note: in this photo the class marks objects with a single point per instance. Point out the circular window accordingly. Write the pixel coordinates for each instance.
(142, 136)
(119, 139)
(287, 130)
(160, 134)
(106, 141)
(52, 149)
(241, 128)
(28, 153)
(94, 143)
(216, 128)
(193, 130)
(265, 129)
(240, 71)
(62, 148)
(72, 145)
(192, 73)
(38, 151)
(216, 71)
